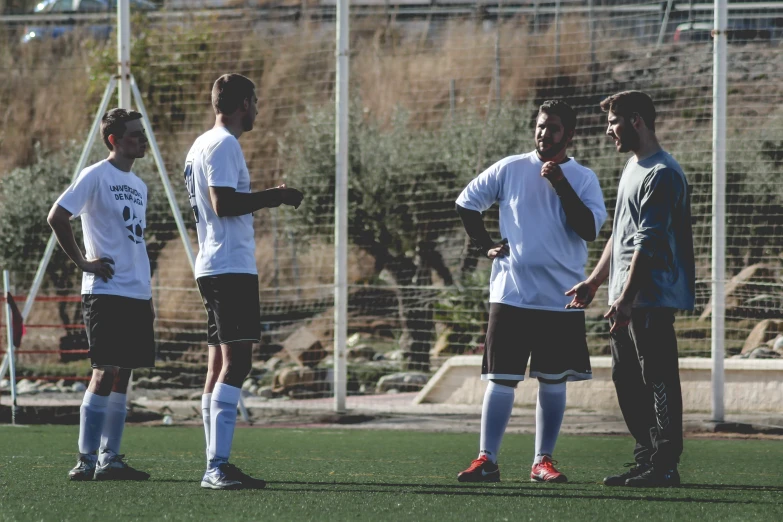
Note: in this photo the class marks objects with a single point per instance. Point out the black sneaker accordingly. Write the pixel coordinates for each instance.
(248, 482)
(84, 469)
(637, 468)
(115, 468)
(655, 478)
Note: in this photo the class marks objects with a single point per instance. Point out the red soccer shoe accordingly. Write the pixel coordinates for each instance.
(545, 471)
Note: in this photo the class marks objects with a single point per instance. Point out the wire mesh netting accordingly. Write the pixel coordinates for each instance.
(438, 93)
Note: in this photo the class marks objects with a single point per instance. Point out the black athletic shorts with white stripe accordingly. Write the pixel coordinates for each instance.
(554, 342)
(233, 308)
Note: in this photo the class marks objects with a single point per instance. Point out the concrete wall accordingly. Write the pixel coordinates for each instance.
(752, 386)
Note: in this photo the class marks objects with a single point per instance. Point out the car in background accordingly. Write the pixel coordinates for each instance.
(88, 6)
(739, 31)
(43, 31)
(693, 32)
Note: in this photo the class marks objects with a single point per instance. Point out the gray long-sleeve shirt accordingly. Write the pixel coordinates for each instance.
(653, 216)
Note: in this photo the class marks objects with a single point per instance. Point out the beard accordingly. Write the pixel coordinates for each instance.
(247, 123)
(629, 139)
(553, 150)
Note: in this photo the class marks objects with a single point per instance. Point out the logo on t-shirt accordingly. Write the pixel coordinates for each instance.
(133, 224)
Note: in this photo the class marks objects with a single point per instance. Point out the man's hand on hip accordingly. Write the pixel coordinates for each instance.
(103, 267)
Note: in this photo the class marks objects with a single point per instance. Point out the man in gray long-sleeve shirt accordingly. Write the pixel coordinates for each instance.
(649, 263)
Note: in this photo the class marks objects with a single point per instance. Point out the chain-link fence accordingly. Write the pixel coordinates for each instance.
(438, 93)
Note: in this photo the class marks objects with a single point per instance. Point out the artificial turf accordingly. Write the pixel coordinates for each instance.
(352, 474)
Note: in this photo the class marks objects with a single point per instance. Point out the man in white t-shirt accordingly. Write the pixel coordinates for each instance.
(549, 207)
(116, 294)
(218, 185)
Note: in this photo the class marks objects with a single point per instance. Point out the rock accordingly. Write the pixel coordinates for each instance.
(395, 355)
(156, 379)
(441, 343)
(5, 384)
(749, 283)
(383, 328)
(49, 388)
(417, 378)
(61, 385)
(78, 387)
(248, 383)
(196, 395)
(273, 363)
(379, 357)
(762, 352)
(777, 344)
(253, 390)
(304, 347)
(403, 381)
(25, 387)
(764, 331)
(265, 392)
(625, 71)
(361, 351)
(289, 378)
(353, 340)
(452, 343)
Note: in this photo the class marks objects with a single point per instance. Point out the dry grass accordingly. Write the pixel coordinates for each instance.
(42, 98)
(52, 88)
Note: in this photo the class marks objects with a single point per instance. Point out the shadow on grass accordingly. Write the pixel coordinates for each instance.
(514, 490)
(506, 491)
(732, 487)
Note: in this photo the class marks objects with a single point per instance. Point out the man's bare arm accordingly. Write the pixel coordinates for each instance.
(60, 221)
(601, 271)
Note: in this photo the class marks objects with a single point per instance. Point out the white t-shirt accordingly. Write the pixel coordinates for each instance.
(226, 245)
(547, 257)
(112, 205)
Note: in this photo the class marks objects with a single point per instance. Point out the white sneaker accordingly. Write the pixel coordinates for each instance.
(218, 478)
(84, 469)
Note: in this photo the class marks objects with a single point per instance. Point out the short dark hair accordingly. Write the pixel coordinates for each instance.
(628, 103)
(113, 122)
(229, 91)
(561, 109)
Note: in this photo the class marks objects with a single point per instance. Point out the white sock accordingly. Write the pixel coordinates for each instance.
(206, 399)
(549, 416)
(223, 419)
(498, 402)
(113, 426)
(92, 416)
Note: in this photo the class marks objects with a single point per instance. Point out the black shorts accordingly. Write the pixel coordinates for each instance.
(119, 331)
(555, 342)
(233, 308)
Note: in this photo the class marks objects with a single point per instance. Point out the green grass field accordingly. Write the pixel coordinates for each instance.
(319, 474)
